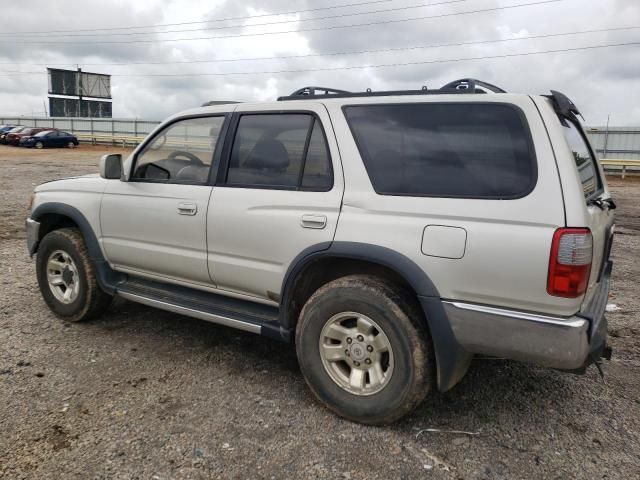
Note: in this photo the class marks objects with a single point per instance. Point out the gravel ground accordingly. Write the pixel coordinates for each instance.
(146, 394)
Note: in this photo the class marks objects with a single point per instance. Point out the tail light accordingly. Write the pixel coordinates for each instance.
(570, 262)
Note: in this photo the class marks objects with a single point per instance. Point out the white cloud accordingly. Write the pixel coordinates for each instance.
(600, 81)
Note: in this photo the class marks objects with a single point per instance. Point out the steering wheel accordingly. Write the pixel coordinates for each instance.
(182, 153)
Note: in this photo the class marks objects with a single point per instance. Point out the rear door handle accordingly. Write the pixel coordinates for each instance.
(187, 208)
(313, 221)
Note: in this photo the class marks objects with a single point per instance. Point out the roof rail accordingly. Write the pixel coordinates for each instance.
(464, 85)
(218, 102)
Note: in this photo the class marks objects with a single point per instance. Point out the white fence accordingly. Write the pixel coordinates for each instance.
(96, 130)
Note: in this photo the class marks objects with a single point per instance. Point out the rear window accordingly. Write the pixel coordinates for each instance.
(445, 150)
(584, 159)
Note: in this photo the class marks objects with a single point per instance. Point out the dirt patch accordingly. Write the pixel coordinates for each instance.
(142, 393)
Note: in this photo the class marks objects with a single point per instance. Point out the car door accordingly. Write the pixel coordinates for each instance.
(56, 139)
(278, 194)
(154, 225)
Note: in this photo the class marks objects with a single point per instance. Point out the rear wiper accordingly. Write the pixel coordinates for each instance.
(603, 203)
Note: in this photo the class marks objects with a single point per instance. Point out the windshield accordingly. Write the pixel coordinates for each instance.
(16, 129)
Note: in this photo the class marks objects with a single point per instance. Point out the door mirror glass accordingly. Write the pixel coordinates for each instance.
(111, 166)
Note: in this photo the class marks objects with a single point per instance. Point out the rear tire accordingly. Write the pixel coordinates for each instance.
(66, 277)
(364, 349)
(71, 145)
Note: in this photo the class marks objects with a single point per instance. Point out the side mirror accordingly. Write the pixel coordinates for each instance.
(111, 166)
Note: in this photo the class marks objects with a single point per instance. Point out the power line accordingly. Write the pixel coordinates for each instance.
(355, 67)
(130, 27)
(226, 27)
(333, 27)
(355, 52)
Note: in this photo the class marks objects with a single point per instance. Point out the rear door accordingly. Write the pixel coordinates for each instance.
(599, 218)
(584, 185)
(278, 195)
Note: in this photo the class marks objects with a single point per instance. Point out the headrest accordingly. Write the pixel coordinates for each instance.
(268, 154)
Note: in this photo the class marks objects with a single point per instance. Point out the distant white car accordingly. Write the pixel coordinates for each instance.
(393, 235)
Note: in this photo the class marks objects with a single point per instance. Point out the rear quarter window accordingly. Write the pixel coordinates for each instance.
(472, 150)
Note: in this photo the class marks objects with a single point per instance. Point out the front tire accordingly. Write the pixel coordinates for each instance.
(364, 349)
(66, 277)
(39, 145)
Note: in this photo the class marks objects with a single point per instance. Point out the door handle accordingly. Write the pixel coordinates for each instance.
(313, 221)
(187, 208)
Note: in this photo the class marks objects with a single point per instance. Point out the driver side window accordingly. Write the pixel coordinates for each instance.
(181, 153)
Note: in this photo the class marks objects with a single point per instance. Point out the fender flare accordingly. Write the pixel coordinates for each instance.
(451, 359)
(107, 277)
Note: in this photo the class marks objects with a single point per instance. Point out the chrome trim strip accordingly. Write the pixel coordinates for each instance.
(189, 312)
(516, 314)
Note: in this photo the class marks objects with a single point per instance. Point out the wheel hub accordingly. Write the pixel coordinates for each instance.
(62, 276)
(356, 353)
(67, 276)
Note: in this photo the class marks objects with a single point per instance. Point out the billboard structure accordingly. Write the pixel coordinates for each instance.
(79, 84)
(74, 107)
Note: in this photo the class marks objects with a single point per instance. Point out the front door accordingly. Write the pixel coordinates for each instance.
(278, 193)
(155, 223)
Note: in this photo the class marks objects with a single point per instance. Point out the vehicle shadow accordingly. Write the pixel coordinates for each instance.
(492, 391)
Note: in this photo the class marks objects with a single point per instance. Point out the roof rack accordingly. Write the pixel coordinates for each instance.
(464, 85)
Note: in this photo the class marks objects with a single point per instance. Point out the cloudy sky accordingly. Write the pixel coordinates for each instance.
(175, 59)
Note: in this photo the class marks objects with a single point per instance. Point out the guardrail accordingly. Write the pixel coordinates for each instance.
(622, 165)
(111, 139)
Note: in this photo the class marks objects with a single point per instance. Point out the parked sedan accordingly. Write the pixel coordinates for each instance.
(50, 138)
(14, 138)
(14, 129)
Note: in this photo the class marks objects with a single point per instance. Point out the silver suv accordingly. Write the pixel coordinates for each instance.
(390, 235)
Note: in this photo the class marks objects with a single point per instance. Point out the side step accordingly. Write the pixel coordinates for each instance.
(220, 309)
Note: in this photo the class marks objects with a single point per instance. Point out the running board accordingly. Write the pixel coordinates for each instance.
(231, 312)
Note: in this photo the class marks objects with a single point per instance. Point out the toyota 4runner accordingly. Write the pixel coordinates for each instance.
(390, 235)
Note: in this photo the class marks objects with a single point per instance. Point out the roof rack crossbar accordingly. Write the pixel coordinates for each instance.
(470, 85)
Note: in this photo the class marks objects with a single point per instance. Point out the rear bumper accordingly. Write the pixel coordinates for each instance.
(556, 342)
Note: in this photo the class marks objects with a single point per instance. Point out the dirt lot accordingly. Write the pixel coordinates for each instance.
(151, 395)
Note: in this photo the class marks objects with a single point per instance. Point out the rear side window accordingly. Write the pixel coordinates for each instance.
(582, 155)
(280, 151)
(445, 150)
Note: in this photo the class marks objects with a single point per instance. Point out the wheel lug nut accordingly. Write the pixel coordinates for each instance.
(346, 352)
(357, 364)
(360, 338)
(368, 361)
(369, 348)
(349, 340)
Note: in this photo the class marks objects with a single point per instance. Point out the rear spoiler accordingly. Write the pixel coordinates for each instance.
(563, 105)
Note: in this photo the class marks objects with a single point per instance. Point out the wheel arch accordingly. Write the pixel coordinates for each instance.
(323, 263)
(53, 216)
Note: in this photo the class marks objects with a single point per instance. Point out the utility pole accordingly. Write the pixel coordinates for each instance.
(44, 104)
(79, 112)
(606, 138)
